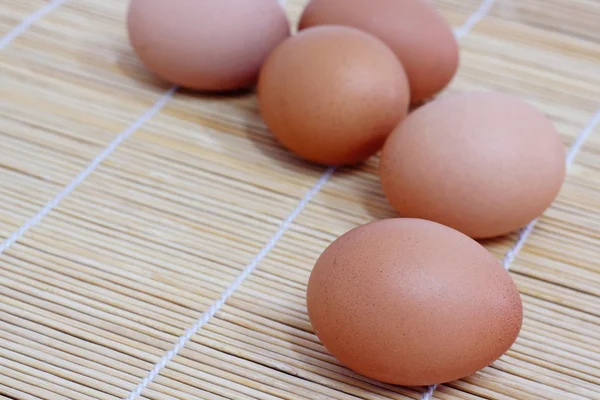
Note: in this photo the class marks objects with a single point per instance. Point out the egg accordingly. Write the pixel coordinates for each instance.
(332, 94)
(414, 29)
(412, 302)
(204, 44)
(483, 163)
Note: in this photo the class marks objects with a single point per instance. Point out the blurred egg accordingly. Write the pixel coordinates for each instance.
(483, 163)
(412, 302)
(414, 29)
(205, 44)
(332, 94)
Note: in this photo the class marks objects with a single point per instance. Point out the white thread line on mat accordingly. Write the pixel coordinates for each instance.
(474, 19)
(510, 256)
(464, 30)
(216, 306)
(27, 22)
(90, 168)
(575, 147)
(430, 389)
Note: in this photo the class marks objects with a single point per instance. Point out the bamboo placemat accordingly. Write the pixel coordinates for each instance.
(129, 212)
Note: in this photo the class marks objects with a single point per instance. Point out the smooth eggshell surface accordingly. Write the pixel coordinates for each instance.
(414, 29)
(332, 94)
(483, 163)
(412, 302)
(205, 44)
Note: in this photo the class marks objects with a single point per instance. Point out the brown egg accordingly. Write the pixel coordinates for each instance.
(483, 163)
(414, 29)
(332, 94)
(412, 302)
(205, 44)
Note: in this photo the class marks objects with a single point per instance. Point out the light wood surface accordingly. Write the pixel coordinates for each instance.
(100, 288)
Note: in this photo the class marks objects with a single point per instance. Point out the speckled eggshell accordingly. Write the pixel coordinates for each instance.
(333, 94)
(205, 44)
(415, 30)
(483, 163)
(412, 302)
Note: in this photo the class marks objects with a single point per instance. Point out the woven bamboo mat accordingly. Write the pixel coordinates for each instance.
(129, 212)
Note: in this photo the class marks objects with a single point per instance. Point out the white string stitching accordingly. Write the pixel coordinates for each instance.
(429, 393)
(510, 255)
(30, 20)
(575, 147)
(86, 172)
(216, 306)
(474, 19)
